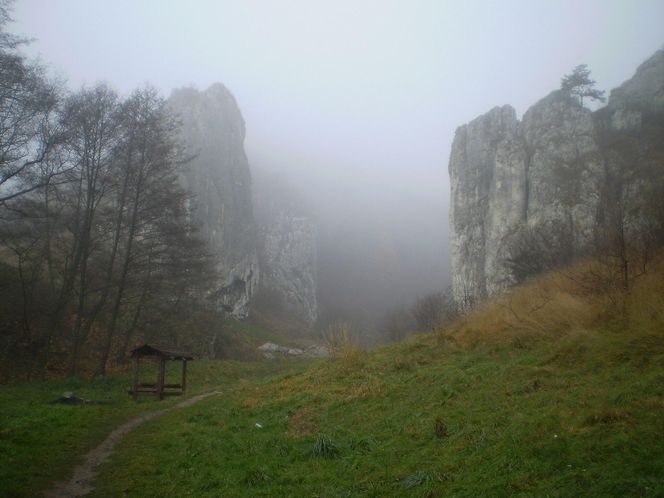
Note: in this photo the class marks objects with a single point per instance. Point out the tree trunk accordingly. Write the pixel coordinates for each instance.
(110, 330)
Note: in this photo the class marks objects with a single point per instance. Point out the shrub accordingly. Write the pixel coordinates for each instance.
(344, 345)
(434, 310)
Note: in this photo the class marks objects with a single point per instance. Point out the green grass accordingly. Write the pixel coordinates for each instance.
(580, 415)
(548, 391)
(251, 334)
(41, 442)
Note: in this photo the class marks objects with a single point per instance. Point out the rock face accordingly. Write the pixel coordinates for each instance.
(220, 181)
(280, 247)
(290, 263)
(552, 171)
(288, 248)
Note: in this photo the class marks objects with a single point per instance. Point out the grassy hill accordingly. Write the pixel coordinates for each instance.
(554, 389)
(551, 390)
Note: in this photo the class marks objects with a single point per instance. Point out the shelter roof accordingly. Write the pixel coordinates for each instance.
(160, 352)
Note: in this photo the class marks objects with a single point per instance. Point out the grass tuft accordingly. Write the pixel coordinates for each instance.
(420, 478)
(345, 346)
(440, 428)
(324, 447)
(256, 477)
(363, 444)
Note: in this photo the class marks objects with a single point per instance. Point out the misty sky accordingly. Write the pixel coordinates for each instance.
(356, 100)
(347, 85)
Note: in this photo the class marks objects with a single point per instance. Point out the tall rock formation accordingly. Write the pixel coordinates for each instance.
(288, 247)
(290, 263)
(557, 170)
(220, 181)
(280, 246)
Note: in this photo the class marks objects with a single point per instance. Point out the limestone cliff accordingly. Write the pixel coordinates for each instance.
(552, 171)
(288, 248)
(220, 180)
(290, 263)
(280, 246)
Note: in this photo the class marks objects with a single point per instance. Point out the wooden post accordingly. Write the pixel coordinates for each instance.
(184, 375)
(159, 391)
(136, 369)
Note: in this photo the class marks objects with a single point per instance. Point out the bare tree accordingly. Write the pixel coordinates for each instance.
(531, 250)
(23, 240)
(91, 119)
(94, 215)
(155, 207)
(434, 310)
(28, 129)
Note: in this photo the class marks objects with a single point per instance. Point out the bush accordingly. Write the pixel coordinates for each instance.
(397, 324)
(434, 310)
(342, 344)
(531, 251)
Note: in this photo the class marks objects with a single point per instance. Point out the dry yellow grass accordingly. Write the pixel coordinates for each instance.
(344, 345)
(562, 303)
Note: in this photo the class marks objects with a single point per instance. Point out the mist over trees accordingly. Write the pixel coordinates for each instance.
(94, 228)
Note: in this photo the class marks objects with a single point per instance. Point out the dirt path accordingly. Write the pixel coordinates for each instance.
(81, 482)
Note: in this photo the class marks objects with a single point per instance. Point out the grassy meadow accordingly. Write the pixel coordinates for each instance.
(41, 442)
(546, 391)
(551, 390)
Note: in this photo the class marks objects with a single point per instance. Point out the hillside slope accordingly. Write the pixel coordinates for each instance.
(551, 390)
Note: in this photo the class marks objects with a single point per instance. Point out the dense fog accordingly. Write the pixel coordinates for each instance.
(352, 104)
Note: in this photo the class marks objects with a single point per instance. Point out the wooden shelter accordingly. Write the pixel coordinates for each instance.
(159, 389)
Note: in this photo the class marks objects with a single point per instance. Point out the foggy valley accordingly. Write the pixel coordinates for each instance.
(378, 248)
(354, 106)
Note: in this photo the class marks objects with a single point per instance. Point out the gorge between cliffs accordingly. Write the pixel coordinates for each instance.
(326, 249)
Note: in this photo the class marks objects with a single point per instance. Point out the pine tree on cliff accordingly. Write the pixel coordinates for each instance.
(579, 84)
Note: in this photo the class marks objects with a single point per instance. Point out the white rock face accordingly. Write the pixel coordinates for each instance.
(551, 168)
(564, 166)
(486, 168)
(220, 180)
(288, 247)
(290, 263)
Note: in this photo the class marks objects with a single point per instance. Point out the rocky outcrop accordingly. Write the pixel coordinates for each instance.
(288, 254)
(271, 351)
(488, 191)
(220, 181)
(554, 168)
(279, 245)
(642, 93)
(290, 263)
